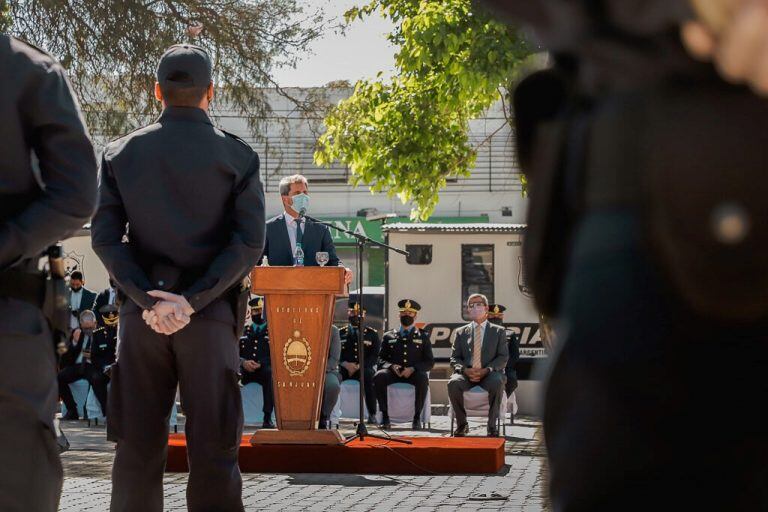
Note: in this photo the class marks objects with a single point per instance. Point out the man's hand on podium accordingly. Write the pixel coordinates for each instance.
(347, 275)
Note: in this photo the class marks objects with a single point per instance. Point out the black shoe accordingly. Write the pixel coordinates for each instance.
(267, 424)
(493, 432)
(416, 425)
(461, 430)
(385, 423)
(322, 425)
(71, 415)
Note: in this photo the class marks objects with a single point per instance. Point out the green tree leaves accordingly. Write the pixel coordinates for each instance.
(408, 136)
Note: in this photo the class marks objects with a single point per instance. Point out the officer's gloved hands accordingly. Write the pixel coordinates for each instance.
(350, 367)
(733, 34)
(170, 315)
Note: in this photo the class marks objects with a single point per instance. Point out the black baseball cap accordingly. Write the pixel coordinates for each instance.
(185, 65)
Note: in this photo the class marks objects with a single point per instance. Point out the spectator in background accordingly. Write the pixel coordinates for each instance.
(80, 297)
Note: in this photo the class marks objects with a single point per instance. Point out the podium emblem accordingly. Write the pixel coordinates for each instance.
(297, 355)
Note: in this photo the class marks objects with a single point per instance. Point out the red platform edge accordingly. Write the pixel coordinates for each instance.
(427, 455)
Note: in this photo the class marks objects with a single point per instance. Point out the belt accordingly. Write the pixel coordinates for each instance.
(24, 286)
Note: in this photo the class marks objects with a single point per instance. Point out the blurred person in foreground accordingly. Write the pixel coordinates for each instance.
(647, 242)
(47, 192)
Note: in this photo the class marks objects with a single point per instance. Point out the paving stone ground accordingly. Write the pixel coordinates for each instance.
(87, 485)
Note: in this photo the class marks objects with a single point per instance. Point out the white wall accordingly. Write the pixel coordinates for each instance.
(437, 287)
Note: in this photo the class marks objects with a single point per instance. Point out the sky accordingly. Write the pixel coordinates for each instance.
(361, 52)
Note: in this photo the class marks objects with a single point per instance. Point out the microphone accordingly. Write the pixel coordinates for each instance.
(302, 213)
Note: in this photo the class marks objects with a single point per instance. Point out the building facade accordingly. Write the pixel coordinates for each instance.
(493, 192)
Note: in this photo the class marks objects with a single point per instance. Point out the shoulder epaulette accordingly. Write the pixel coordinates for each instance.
(237, 138)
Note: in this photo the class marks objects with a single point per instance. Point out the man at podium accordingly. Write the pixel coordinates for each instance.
(292, 239)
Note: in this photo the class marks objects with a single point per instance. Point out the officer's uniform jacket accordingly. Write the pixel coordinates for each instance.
(406, 348)
(349, 347)
(254, 345)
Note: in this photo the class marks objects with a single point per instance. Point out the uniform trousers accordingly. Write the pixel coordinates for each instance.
(370, 396)
(418, 379)
(203, 360)
(262, 376)
(30, 468)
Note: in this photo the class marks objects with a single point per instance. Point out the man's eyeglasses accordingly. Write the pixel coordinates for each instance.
(475, 305)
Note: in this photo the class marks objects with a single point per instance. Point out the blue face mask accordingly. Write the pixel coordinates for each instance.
(301, 201)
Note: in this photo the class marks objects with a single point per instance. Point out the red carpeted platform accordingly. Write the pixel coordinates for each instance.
(427, 455)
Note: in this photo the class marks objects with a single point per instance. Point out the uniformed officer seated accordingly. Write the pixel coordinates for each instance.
(90, 353)
(349, 365)
(496, 316)
(254, 357)
(405, 356)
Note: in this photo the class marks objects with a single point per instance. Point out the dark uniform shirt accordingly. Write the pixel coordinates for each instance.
(254, 345)
(513, 340)
(406, 348)
(349, 347)
(211, 227)
(104, 346)
(43, 141)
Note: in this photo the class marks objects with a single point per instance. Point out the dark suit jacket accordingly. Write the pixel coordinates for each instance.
(495, 348)
(316, 238)
(103, 348)
(102, 299)
(87, 301)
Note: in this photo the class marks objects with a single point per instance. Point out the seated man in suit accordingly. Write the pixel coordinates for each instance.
(332, 387)
(496, 316)
(349, 367)
(405, 356)
(80, 297)
(90, 354)
(289, 230)
(479, 358)
(255, 361)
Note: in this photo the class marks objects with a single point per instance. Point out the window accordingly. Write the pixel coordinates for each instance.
(418, 254)
(476, 273)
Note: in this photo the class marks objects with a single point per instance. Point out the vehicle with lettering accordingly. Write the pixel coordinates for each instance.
(446, 263)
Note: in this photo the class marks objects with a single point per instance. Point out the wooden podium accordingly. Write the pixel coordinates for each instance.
(299, 304)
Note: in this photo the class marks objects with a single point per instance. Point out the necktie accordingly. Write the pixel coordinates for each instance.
(299, 232)
(477, 346)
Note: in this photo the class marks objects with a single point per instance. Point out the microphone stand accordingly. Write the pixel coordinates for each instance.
(361, 242)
